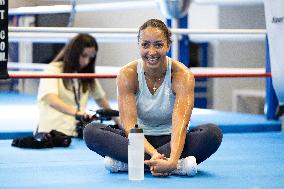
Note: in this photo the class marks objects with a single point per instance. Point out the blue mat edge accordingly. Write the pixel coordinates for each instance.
(224, 128)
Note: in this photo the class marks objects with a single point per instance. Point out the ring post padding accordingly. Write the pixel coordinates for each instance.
(3, 39)
(3, 70)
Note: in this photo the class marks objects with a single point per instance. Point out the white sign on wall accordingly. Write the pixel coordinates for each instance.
(3, 38)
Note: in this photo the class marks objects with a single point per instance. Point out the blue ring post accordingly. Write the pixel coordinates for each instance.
(184, 50)
(169, 24)
(183, 43)
(271, 101)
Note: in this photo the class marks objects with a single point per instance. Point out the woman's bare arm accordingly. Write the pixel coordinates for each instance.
(183, 86)
(127, 86)
(126, 97)
(54, 101)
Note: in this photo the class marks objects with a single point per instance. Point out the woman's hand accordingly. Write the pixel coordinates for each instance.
(161, 167)
(118, 122)
(157, 155)
(83, 116)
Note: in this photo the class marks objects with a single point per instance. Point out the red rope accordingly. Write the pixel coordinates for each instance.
(268, 74)
(105, 76)
(62, 75)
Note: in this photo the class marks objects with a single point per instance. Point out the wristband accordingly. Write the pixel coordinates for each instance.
(77, 116)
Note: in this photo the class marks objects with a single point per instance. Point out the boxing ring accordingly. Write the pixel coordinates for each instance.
(243, 123)
(250, 156)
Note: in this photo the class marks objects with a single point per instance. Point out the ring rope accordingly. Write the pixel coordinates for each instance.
(39, 67)
(111, 38)
(93, 7)
(62, 75)
(110, 76)
(135, 30)
(64, 37)
(35, 70)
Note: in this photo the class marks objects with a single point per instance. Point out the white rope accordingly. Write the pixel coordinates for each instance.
(84, 7)
(107, 35)
(118, 6)
(119, 38)
(26, 66)
(114, 69)
(220, 31)
(226, 37)
(135, 30)
(37, 67)
(64, 37)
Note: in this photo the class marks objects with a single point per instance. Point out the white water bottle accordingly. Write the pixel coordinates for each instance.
(136, 154)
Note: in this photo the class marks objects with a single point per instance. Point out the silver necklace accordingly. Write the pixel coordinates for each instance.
(155, 82)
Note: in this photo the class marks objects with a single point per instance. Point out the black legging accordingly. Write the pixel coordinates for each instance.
(201, 142)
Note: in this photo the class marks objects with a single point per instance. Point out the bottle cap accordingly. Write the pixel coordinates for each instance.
(136, 129)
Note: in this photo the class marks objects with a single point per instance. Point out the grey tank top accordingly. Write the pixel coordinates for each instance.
(154, 112)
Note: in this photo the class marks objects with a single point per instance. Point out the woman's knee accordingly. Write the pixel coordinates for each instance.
(209, 135)
(209, 130)
(91, 134)
(206, 139)
(215, 132)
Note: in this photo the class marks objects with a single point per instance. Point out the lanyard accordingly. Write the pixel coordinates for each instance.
(77, 96)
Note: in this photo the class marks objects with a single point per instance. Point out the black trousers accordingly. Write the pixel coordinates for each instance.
(201, 141)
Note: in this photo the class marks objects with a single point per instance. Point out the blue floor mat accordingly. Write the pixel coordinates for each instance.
(19, 117)
(243, 161)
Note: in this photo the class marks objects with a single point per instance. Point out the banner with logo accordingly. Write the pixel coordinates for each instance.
(3, 38)
(274, 15)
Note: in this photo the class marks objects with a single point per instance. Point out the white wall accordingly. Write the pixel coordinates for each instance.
(203, 16)
(238, 54)
(230, 54)
(221, 54)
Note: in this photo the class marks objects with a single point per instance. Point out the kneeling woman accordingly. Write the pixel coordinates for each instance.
(157, 93)
(61, 100)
